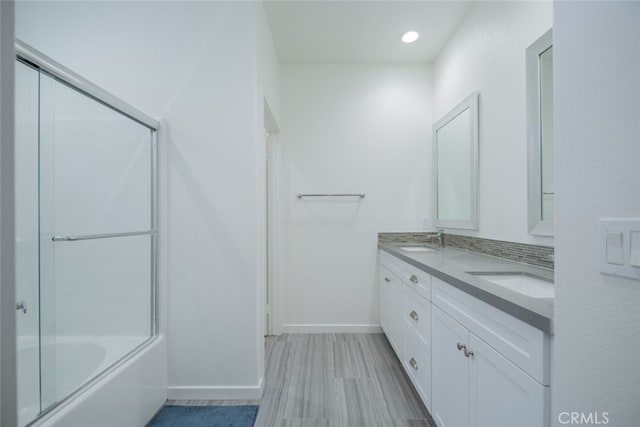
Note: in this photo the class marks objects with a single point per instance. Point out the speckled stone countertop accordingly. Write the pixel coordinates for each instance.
(451, 265)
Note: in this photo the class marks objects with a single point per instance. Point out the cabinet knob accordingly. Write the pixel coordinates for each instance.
(413, 363)
(413, 315)
(461, 346)
(468, 353)
(413, 278)
(386, 279)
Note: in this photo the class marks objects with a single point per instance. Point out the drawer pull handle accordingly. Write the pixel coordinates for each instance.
(386, 279)
(468, 353)
(413, 363)
(461, 346)
(414, 315)
(413, 278)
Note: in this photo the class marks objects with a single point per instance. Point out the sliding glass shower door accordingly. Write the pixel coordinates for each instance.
(93, 174)
(95, 227)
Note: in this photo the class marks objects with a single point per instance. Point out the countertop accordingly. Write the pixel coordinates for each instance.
(451, 265)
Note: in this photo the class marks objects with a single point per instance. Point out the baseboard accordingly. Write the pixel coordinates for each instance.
(215, 393)
(330, 329)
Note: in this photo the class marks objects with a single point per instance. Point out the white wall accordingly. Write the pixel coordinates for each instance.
(183, 65)
(487, 54)
(348, 128)
(597, 129)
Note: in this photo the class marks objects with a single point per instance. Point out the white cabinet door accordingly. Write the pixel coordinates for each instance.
(385, 280)
(391, 308)
(395, 315)
(501, 394)
(450, 372)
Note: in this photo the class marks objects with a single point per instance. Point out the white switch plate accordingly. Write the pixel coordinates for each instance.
(614, 247)
(634, 256)
(618, 256)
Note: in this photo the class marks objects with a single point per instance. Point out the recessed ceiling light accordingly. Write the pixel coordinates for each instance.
(410, 36)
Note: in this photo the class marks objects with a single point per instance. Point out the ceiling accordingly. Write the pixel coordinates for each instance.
(307, 31)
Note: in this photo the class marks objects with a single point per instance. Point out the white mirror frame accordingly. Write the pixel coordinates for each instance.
(471, 103)
(536, 225)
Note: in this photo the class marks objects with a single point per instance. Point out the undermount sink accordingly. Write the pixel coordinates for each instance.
(524, 283)
(416, 249)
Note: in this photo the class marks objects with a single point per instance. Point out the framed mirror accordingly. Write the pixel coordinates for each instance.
(541, 193)
(455, 153)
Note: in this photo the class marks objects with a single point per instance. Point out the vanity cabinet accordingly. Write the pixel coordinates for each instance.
(490, 369)
(475, 386)
(472, 364)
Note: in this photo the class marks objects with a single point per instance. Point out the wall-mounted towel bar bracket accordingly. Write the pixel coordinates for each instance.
(360, 195)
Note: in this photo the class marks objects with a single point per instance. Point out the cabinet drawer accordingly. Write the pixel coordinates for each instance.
(416, 313)
(412, 276)
(525, 346)
(390, 262)
(417, 364)
(418, 280)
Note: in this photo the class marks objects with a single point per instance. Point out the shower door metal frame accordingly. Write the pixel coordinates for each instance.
(60, 73)
(8, 344)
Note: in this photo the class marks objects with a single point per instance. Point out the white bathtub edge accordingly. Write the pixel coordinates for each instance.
(129, 396)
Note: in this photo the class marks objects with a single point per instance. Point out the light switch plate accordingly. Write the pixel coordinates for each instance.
(620, 247)
(614, 247)
(634, 246)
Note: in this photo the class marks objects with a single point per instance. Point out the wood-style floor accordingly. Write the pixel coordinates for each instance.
(334, 380)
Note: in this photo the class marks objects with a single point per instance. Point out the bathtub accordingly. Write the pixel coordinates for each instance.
(92, 385)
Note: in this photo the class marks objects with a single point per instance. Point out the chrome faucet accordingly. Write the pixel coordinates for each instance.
(21, 305)
(439, 236)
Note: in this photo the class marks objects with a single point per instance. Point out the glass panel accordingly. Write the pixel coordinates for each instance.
(546, 133)
(26, 172)
(103, 308)
(96, 295)
(101, 179)
(454, 173)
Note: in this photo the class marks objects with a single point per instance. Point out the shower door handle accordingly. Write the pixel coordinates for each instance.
(21, 305)
(101, 236)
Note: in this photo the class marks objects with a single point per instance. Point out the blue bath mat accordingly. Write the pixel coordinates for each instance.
(205, 416)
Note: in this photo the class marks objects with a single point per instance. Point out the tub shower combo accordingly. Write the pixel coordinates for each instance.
(86, 234)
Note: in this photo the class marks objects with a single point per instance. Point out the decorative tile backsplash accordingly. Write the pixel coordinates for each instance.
(407, 238)
(540, 256)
